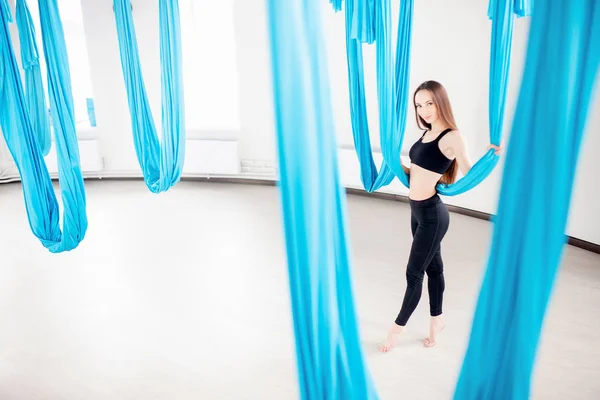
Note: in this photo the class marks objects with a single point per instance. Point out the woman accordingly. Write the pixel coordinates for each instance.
(435, 157)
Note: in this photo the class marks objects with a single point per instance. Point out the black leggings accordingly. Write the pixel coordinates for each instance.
(429, 223)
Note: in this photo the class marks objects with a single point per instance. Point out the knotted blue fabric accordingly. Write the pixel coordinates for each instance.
(561, 65)
(329, 358)
(161, 164)
(30, 60)
(393, 90)
(40, 201)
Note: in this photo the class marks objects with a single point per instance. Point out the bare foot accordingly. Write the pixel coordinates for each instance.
(392, 338)
(436, 325)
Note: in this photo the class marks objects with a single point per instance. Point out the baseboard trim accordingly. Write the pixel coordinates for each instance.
(583, 244)
(240, 181)
(575, 242)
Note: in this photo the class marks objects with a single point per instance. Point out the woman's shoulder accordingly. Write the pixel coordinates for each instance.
(453, 135)
(451, 138)
(454, 139)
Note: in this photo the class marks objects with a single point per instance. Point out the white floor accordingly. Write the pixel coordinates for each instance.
(184, 296)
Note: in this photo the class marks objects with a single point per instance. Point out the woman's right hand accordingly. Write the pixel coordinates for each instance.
(497, 149)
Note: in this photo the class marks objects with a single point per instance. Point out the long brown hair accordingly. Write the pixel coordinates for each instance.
(442, 103)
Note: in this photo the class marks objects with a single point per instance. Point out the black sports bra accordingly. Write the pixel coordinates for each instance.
(429, 156)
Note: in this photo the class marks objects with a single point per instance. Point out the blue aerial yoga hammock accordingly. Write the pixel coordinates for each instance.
(30, 59)
(561, 65)
(368, 22)
(16, 125)
(563, 58)
(392, 88)
(161, 164)
(329, 357)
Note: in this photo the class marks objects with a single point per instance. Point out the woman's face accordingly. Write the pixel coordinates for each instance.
(425, 106)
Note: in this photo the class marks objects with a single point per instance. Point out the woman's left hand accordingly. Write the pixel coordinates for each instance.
(497, 149)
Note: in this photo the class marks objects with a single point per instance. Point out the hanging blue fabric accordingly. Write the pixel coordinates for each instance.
(392, 92)
(329, 358)
(5, 10)
(394, 104)
(40, 200)
(161, 165)
(561, 65)
(523, 8)
(91, 111)
(337, 4)
(30, 59)
(364, 21)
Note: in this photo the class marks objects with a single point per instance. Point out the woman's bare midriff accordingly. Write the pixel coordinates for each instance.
(422, 183)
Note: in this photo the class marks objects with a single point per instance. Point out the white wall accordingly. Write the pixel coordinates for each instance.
(450, 44)
(254, 66)
(584, 220)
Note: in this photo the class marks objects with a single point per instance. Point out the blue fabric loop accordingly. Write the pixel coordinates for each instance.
(392, 93)
(161, 163)
(40, 201)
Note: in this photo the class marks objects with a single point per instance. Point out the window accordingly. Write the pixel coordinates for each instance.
(209, 65)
